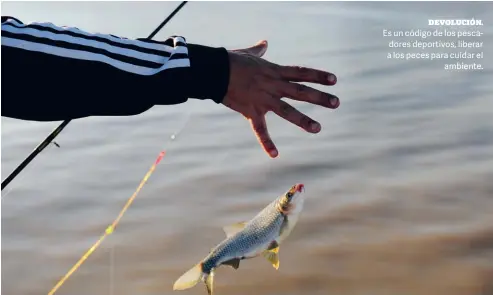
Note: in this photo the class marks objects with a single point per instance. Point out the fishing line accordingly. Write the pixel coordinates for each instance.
(112, 266)
(111, 228)
(60, 127)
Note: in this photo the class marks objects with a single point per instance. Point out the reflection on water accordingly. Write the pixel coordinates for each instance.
(399, 181)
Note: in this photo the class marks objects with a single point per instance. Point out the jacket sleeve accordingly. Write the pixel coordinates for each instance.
(52, 73)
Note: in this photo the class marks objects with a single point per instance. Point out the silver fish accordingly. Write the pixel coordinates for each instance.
(262, 235)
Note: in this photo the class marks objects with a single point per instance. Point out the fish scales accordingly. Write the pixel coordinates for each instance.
(261, 235)
(257, 234)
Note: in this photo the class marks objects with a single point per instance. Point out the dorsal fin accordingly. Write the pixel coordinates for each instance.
(234, 228)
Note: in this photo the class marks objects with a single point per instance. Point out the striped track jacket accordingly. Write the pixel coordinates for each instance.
(52, 73)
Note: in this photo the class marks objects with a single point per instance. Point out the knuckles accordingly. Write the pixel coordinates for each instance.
(286, 109)
(301, 89)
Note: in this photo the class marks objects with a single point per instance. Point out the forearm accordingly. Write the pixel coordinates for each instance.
(55, 73)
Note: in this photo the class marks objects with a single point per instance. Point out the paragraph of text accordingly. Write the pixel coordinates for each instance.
(459, 47)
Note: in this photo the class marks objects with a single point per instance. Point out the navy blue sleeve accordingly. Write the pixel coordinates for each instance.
(52, 73)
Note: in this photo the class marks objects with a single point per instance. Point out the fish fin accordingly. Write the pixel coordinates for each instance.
(234, 228)
(272, 256)
(189, 279)
(287, 227)
(235, 263)
(209, 283)
(273, 245)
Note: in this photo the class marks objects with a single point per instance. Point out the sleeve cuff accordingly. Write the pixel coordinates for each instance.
(209, 76)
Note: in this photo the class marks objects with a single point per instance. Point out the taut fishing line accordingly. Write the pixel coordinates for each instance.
(110, 229)
(42, 145)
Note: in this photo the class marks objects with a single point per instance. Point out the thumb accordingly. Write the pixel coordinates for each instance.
(258, 49)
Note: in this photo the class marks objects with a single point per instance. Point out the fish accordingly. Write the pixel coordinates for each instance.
(260, 236)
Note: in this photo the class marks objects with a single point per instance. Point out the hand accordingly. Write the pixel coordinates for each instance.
(256, 87)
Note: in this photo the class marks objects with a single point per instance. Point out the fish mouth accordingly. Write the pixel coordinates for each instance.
(299, 187)
(292, 201)
(295, 191)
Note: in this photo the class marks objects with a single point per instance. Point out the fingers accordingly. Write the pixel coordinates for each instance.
(258, 49)
(260, 128)
(289, 113)
(303, 74)
(302, 92)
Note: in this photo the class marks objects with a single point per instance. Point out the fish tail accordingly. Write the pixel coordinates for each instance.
(189, 278)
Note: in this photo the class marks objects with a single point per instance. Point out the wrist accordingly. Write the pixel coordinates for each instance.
(209, 75)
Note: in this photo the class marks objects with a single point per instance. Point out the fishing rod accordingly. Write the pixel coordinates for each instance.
(59, 129)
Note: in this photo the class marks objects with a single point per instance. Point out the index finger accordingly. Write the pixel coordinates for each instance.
(304, 74)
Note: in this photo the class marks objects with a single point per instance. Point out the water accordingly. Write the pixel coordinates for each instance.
(399, 181)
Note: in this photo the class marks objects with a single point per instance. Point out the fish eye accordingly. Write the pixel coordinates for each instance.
(289, 195)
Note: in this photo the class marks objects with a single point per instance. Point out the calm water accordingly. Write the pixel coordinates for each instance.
(399, 181)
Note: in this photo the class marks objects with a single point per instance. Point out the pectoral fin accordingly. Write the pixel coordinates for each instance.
(273, 246)
(235, 263)
(287, 227)
(233, 228)
(209, 283)
(273, 257)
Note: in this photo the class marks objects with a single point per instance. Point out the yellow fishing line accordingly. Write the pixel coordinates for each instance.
(109, 230)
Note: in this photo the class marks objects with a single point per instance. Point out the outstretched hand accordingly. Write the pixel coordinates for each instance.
(256, 87)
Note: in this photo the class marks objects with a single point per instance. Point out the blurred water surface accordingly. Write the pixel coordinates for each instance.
(399, 182)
